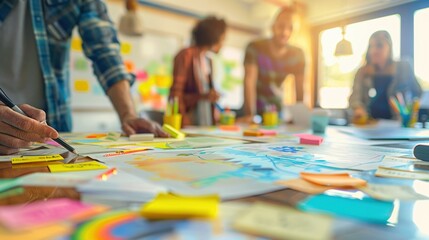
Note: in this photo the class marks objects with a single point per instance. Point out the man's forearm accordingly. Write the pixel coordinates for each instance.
(299, 87)
(120, 96)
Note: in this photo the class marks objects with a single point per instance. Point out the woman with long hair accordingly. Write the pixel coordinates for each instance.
(379, 79)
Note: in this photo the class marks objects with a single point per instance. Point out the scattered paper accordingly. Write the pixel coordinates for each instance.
(39, 151)
(301, 185)
(394, 161)
(42, 213)
(121, 187)
(84, 166)
(49, 179)
(392, 192)
(167, 206)
(281, 222)
(399, 173)
(333, 179)
(203, 142)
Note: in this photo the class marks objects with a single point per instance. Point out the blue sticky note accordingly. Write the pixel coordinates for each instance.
(366, 209)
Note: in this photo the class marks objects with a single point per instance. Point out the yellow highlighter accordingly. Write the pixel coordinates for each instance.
(414, 113)
(173, 132)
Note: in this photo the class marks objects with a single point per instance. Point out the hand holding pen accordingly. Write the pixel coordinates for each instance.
(18, 131)
(19, 126)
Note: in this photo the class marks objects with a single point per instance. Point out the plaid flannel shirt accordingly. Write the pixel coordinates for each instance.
(53, 24)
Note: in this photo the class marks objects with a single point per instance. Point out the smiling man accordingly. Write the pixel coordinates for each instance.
(267, 63)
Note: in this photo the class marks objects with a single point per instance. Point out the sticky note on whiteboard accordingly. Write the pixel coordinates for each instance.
(81, 86)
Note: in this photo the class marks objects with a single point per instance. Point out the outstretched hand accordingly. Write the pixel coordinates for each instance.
(135, 125)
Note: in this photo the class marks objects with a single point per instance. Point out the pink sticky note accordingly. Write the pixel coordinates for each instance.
(22, 217)
(309, 139)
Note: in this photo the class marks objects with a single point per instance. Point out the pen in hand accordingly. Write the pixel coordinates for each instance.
(8, 102)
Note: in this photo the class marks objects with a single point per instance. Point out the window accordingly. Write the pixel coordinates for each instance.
(336, 74)
(421, 51)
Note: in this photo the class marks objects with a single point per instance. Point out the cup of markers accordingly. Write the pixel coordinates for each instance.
(172, 116)
(407, 110)
(227, 117)
(270, 118)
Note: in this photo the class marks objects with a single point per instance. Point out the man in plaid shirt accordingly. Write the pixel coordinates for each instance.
(34, 67)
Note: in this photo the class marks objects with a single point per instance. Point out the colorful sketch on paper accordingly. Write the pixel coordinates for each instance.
(229, 171)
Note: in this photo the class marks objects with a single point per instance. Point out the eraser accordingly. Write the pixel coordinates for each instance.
(309, 139)
(142, 137)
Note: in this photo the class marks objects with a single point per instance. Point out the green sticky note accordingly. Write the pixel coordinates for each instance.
(9, 183)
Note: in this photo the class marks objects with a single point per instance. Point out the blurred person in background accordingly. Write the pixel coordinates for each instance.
(192, 73)
(379, 79)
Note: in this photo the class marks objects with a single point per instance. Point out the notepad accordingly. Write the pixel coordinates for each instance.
(84, 166)
(333, 179)
(142, 137)
(309, 139)
(173, 132)
(167, 206)
(280, 222)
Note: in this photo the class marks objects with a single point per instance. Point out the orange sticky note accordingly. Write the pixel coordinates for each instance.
(129, 65)
(252, 133)
(302, 185)
(333, 179)
(232, 128)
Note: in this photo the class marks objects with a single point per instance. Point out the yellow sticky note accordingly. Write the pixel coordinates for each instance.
(160, 145)
(84, 166)
(333, 179)
(81, 86)
(280, 222)
(167, 206)
(173, 132)
(126, 48)
(76, 44)
(32, 159)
